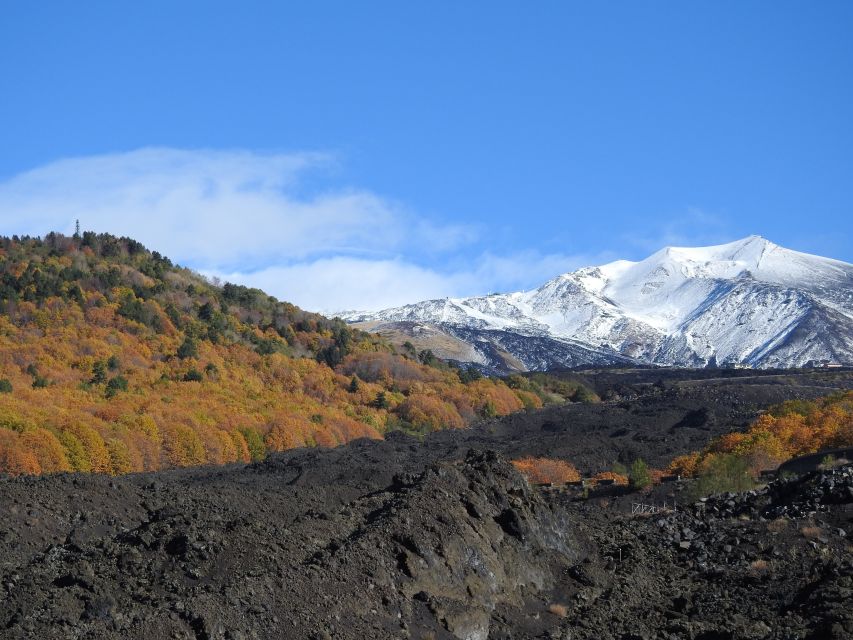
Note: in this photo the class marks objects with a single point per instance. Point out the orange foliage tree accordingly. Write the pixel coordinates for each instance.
(429, 413)
(617, 478)
(545, 470)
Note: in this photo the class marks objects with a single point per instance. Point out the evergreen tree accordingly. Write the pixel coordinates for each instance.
(205, 312)
(188, 349)
(99, 372)
(639, 474)
(116, 384)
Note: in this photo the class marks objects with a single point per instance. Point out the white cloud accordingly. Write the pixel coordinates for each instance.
(213, 208)
(251, 218)
(348, 284)
(345, 283)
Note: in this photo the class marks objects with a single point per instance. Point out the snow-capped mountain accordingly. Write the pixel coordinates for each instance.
(749, 302)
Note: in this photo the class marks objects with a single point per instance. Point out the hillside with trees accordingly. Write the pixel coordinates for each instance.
(787, 430)
(113, 359)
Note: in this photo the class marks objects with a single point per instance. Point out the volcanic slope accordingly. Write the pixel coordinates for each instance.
(655, 415)
(462, 549)
(398, 538)
(747, 302)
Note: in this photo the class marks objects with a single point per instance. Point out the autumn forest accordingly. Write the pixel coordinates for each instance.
(114, 360)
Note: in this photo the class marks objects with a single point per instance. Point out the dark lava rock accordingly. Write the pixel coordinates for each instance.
(441, 539)
(440, 551)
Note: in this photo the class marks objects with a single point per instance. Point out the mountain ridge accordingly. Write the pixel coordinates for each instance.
(749, 302)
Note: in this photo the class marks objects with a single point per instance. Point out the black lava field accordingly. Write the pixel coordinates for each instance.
(443, 539)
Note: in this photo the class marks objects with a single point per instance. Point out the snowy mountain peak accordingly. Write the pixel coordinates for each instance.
(744, 302)
(739, 255)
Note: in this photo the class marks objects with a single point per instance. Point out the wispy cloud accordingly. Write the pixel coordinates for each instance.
(260, 219)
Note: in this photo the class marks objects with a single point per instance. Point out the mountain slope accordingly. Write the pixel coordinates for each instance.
(113, 359)
(748, 302)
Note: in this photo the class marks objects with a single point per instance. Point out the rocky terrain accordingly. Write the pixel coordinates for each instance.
(651, 414)
(774, 563)
(438, 539)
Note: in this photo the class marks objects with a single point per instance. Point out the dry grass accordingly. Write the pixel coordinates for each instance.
(777, 526)
(558, 610)
(759, 566)
(811, 533)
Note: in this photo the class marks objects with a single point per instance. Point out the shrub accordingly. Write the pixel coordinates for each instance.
(469, 374)
(639, 474)
(811, 532)
(5, 386)
(74, 451)
(759, 567)
(618, 478)
(777, 526)
(47, 449)
(377, 367)
(529, 399)
(793, 428)
(489, 410)
(255, 443)
(193, 375)
(15, 459)
(722, 473)
(116, 384)
(585, 395)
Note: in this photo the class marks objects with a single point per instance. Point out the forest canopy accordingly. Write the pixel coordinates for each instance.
(114, 359)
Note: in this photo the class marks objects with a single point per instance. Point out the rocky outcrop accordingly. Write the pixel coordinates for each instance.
(462, 540)
(441, 550)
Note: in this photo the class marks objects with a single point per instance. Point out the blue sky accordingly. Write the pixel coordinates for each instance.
(362, 154)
